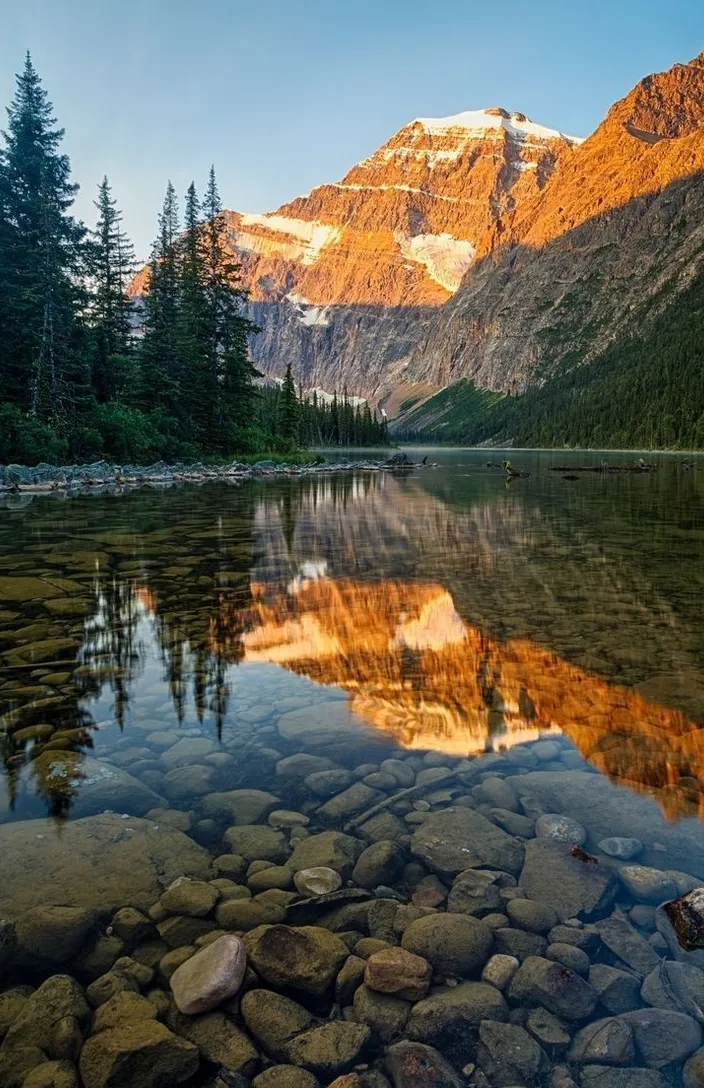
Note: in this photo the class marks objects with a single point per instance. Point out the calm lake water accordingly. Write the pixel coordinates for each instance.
(162, 648)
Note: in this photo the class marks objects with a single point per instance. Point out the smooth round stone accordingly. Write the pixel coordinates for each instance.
(552, 825)
(282, 817)
(317, 881)
(211, 976)
(499, 970)
(647, 884)
(617, 847)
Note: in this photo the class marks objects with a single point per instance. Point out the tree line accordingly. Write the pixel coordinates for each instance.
(88, 368)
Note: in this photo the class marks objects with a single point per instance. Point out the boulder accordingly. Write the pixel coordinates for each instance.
(454, 944)
(356, 798)
(414, 1065)
(282, 1076)
(458, 838)
(141, 1055)
(693, 1072)
(52, 1075)
(603, 1076)
(397, 971)
(675, 986)
(618, 990)
(53, 935)
(573, 888)
(560, 990)
(304, 958)
(624, 941)
(240, 806)
(99, 862)
(257, 842)
(273, 1020)
(53, 1018)
(380, 863)
(330, 849)
(211, 976)
(607, 810)
(551, 825)
(330, 1049)
(646, 884)
(509, 1055)
(195, 898)
(123, 1008)
(662, 1036)
(218, 1040)
(607, 1042)
(450, 1018)
(319, 880)
(383, 1013)
(89, 786)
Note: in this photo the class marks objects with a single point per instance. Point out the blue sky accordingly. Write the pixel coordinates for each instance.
(282, 96)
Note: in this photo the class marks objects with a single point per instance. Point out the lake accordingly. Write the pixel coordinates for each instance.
(475, 704)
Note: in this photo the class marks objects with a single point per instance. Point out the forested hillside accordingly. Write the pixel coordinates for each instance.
(644, 392)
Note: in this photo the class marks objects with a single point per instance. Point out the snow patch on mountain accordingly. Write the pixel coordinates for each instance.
(301, 239)
(480, 122)
(445, 258)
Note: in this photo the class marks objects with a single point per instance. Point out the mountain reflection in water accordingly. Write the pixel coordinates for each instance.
(455, 614)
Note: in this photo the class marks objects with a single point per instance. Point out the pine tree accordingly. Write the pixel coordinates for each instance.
(198, 384)
(42, 258)
(288, 408)
(159, 357)
(112, 266)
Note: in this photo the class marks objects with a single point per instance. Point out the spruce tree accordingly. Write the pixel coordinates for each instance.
(112, 266)
(198, 383)
(288, 408)
(43, 259)
(159, 357)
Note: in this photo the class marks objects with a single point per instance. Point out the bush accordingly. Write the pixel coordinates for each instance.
(26, 441)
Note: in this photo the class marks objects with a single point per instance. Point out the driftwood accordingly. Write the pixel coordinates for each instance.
(402, 795)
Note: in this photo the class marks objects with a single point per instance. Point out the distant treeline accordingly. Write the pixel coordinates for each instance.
(646, 391)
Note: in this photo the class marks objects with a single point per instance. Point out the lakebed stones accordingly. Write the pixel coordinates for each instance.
(449, 1019)
(330, 849)
(624, 941)
(572, 887)
(608, 1042)
(385, 1014)
(91, 785)
(454, 944)
(319, 880)
(53, 1018)
(646, 884)
(380, 863)
(458, 838)
(562, 828)
(499, 970)
(304, 958)
(195, 898)
(399, 972)
(53, 935)
(256, 842)
(98, 862)
(662, 1036)
(619, 847)
(415, 1065)
(509, 1055)
(145, 1053)
(240, 807)
(211, 976)
(560, 990)
(331, 1048)
(686, 919)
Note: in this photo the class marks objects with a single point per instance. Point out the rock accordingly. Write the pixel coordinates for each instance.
(402, 772)
(109, 984)
(474, 891)
(132, 926)
(617, 846)
(675, 986)
(584, 937)
(53, 935)
(330, 1049)
(458, 838)
(497, 792)
(646, 884)
(554, 826)
(218, 1040)
(8, 945)
(514, 823)
(327, 725)
(304, 958)
(384, 1014)
(381, 863)
(607, 1042)
(91, 785)
(351, 976)
(384, 826)
(693, 1072)
(15, 1065)
(211, 976)
(530, 915)
(601, 1076)
(277, 877)
(450, 1018)
(273, 1020)
(11, 1005)
(143, 1055)
(52, 1075)
(547, 1030)
(624, 941)
(573, 888)
(51, 1018)
(413, 1065)
(195, 898)
(499, 970)
(356, 798)
(397, 971)
(188, 783)
(607, 810)
(240, 807)
(179, 929)
(686, 917)
(123, 1008)
(561, 991)
(509, 1055)
(285, 1076)
(99, 862)
(454, 944)
(303, 764)
(326, 784)
(662, 1036)
(518, 942)
(187, 751)
(256, 842)
(618, 990)
(282, 817)
(329, 849)
(317, 881)
(570, 956)
(247, 914)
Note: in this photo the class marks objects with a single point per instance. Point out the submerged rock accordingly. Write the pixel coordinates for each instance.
(317, 881)
(304, 958)
(145, 1054)
(99, 862)
(211, 976)
(414, 1065)
(560, 990)
(686, 916)
(573, 888)
(458, 838)
(454, 944)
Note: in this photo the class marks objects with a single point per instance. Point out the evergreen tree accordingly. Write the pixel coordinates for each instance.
(198, 384)
(42, 258)
(112, 266)
(288, 413)
(160, 364)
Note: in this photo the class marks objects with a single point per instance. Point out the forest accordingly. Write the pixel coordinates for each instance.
(646, 391)
(88, 369)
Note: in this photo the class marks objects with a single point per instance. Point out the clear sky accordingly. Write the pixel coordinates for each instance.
(284, 94)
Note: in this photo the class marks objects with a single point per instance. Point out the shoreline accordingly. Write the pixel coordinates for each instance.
(100, 476)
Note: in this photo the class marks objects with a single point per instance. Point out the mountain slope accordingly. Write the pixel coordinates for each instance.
(615, 225)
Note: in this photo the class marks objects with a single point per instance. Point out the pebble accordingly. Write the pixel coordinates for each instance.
(318, 880)
(552, 825)
(499, 970)
(618, 847)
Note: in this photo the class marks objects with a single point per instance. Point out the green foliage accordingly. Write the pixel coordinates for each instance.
(448, 415)
(25, 440)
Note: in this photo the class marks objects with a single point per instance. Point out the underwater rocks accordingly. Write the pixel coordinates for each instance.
(211, 976)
